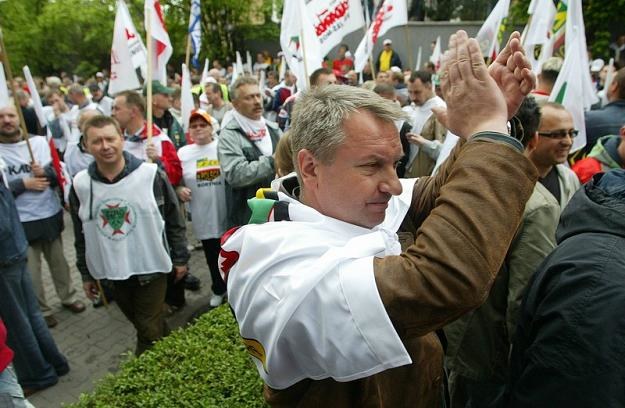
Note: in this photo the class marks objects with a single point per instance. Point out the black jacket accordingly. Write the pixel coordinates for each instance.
(569, 350)
(166, 200)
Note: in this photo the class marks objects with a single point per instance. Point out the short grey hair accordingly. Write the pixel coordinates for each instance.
(319, 114)
(242, 80)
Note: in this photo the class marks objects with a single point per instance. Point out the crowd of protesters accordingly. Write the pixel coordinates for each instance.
(539, 327)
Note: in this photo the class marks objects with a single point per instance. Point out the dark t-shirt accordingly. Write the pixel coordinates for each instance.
(552, 183)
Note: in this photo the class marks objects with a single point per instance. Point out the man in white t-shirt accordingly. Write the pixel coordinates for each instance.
(422, 99)
(205, 191)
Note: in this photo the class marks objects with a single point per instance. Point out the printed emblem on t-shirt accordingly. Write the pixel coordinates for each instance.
(117, 218)
(207, 170)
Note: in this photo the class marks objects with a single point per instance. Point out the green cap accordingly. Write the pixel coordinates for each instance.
(158, 88)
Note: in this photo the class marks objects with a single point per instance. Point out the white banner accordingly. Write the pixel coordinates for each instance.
(299, 41)
(123, 75)
(4, 89)
(186, 98)
(333, 20)
(34, 96)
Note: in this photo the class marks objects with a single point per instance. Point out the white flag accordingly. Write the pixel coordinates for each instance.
(4, 89)
(123, 76)
(299, 42)
(568, 91)
(186, 98)
(195, 31)
(138, 53)
(204, 73)
(418, 66)
(34, 96)
(248, 63)
(490, 34)
(262, 81)
(392, 13)
(162, 48)
(437, 54)
(282, 70)
(576, 37)
(237, 68)
(543, 13)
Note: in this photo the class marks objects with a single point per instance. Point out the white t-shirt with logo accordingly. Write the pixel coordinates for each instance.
(202, 174)
(31, 205)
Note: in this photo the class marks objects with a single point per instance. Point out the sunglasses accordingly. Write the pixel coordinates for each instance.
(560, 133)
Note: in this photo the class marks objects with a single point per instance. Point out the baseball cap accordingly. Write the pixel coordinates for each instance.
(202, 114)
(388, 41)
(597, 65)
(158, 88)
(99, 75)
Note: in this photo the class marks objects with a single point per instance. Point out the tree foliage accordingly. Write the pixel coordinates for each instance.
(75, 36)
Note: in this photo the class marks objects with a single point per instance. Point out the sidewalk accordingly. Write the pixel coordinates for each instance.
(94, 341)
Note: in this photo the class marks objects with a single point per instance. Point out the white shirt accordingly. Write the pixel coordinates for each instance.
(202, 174)
(418, 116)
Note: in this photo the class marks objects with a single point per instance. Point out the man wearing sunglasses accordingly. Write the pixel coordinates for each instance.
(551, 149)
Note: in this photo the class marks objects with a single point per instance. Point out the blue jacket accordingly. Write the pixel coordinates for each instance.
(603, 122)
(570, 342)
(13, 241)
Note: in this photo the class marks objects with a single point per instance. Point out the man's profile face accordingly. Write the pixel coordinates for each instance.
(105, 144)
(419, 92)
(211, 96)
(358, 184)
(551, 151)
(9, 122)
(325, 79)
(249, 101)
(122, 112)
(162, 101)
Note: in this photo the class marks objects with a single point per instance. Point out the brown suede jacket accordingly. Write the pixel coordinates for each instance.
(464, 220)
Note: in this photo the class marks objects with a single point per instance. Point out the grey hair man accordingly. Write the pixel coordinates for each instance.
(330, 308)
(247, 143)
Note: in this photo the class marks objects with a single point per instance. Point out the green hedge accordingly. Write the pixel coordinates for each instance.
(204, 365)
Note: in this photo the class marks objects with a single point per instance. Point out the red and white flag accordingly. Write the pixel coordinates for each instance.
(391, 13)
(161, 46)
(126, 42)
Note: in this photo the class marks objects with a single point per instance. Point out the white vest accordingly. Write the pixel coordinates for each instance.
(124, 230)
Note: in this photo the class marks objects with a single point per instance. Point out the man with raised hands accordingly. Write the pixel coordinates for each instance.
(330, 308)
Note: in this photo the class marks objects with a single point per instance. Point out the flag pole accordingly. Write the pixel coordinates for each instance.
(188, 53)
(407, 38)
(301, 39)
(366, 30)
(18, 108)
(150, 50)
